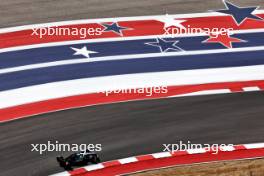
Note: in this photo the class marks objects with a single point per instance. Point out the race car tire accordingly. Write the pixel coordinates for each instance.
(95, 160)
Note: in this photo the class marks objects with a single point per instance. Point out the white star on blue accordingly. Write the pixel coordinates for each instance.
(165, 45)
(240, 14)
(114, 27)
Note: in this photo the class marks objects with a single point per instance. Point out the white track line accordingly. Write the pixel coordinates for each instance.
(98, 84)
(205, 92)
(128, 160)
(127, 57)
(254, 146)
(249, 89)
(86, 41)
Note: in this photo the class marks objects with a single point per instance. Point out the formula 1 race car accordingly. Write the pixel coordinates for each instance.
(78, 159)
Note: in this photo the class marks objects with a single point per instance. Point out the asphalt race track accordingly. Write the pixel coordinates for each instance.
(124, 129)
(132, 128)
(21, 12)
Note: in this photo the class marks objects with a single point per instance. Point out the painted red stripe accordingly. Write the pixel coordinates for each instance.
(174, 161)
(111, 163)
(78, 171)
(240, 147)
(52, 105)
(236, 89)
(144, 157)
(178, 153)
(261, 86)
(141, 28)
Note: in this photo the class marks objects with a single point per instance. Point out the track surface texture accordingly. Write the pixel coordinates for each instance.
(124, 129)
(21, 12)
(132, 128)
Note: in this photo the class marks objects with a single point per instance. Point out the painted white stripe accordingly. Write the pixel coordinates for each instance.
(162, 155)
(62, 174)
(127, 57)
(227, 148)
(128, 160)
(195, 151)
(73, 42)
(102, 20)
(98, 84)
(254, 146)
(94, 167)
(249, 89)
(205, 92)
